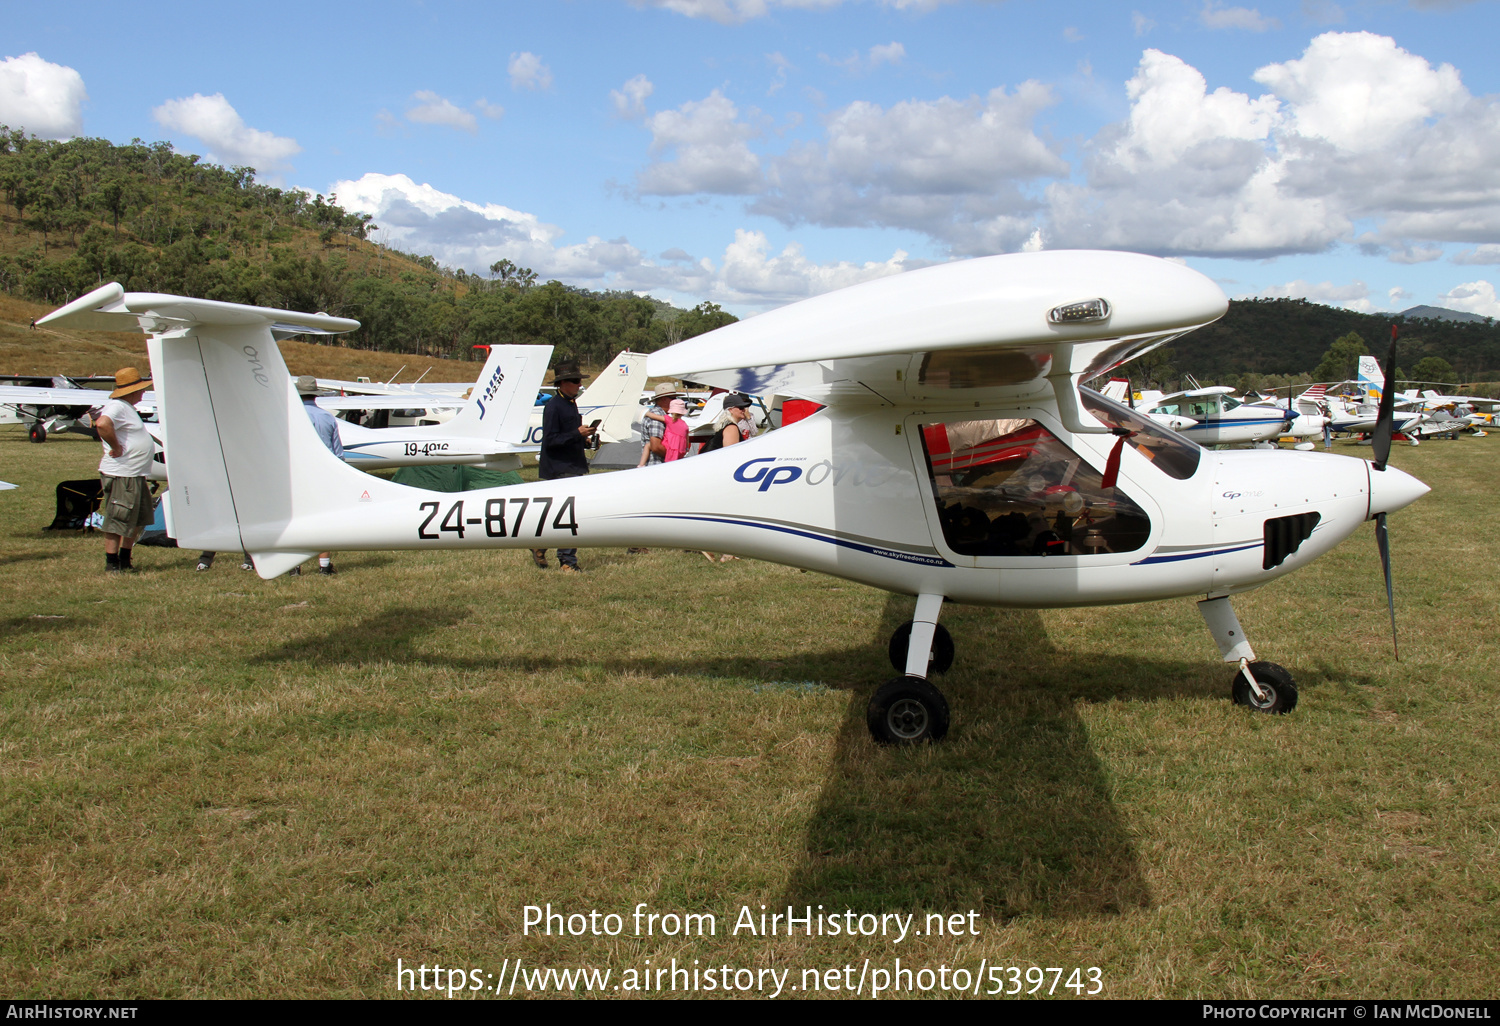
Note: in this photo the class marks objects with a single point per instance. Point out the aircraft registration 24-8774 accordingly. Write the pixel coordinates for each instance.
(958, 459)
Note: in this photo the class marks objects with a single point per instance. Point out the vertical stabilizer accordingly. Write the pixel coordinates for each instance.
(262, 465)
(615, 396)
(1371, 381)
(499, 408)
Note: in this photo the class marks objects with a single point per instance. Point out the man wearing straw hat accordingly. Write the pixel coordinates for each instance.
(654, 425)
(124, 495)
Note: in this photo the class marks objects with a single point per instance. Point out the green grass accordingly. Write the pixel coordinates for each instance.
(212, 785)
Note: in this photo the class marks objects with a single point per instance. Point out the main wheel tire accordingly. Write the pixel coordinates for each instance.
(1275, 681)
(38, 432)
(907, 710)
(942, 649)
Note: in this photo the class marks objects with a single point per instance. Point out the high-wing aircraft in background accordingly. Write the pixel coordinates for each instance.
(50, 404)
(957, 459)
(1219, 418)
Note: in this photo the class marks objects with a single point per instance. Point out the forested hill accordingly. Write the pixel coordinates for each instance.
(74, 215)
(77, 214)
(1290, 337)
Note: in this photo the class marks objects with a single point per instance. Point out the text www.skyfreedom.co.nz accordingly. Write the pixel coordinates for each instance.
(867, 978)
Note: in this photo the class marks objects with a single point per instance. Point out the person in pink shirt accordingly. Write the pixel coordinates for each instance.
(676, 436)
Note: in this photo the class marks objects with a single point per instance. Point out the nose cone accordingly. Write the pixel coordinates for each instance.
(1392, 489)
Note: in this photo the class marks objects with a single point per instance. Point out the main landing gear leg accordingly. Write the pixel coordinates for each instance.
(1262, 686)
(908, 709)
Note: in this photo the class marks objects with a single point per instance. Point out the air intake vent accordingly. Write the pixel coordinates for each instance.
(1284, 535)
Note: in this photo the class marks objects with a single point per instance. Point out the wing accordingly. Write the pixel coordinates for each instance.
(1009, 325)
(23, 395)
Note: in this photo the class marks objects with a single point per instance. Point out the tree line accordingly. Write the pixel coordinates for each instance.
(84, 212)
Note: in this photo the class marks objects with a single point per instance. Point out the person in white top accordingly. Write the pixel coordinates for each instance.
(128, 450)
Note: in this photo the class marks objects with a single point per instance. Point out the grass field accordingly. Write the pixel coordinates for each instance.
(216, 786)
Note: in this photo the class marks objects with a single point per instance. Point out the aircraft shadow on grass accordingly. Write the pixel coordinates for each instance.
(1011, 816)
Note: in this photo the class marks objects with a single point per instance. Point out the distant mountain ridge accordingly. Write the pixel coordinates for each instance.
(1440, 313)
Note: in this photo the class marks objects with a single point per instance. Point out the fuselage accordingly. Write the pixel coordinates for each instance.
(998, 506)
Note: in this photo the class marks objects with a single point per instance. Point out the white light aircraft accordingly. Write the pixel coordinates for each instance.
(958, 459)
(1220, 419)
(488, 431)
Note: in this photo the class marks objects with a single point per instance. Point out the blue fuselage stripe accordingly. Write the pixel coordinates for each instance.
(887, 553)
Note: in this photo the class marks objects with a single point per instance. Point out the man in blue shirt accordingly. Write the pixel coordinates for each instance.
(327, 427)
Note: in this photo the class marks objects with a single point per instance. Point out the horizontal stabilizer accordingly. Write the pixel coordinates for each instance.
(111, 308)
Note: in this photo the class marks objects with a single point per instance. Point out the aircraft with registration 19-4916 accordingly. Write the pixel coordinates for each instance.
(957, 459)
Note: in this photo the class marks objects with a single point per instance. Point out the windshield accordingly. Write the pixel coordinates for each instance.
(1169, 452)
(1010, 487)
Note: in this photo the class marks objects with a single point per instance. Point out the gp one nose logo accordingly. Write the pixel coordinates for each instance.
(767, 476)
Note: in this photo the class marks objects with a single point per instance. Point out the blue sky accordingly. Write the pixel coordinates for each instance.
(754, 152)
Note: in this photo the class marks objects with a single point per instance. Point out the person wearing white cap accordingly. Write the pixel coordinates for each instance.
(125, 496)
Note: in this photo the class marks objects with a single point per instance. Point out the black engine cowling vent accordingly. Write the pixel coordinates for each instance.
(1284, 535)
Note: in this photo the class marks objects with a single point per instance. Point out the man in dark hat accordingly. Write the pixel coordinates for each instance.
(564, 439)
(125, 498)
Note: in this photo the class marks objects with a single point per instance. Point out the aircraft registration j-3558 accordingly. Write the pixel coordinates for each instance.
(958, 459)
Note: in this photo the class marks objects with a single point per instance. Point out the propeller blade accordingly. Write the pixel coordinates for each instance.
(1383, 541)
(1380, 441)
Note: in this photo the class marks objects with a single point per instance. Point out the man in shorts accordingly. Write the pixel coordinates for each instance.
(125, 498)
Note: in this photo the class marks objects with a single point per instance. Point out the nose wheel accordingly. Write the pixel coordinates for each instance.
(907, 710)
(1273, 691)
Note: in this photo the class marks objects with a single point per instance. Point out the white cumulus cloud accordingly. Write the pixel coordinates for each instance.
(1474, 297)
(1354, 295)
(461, 233)
(428, 108)
(630, 99)
(701, 146)
(949, 168)
(212, 120)
(1215, 15)
(528, 72)
(1489, 253)
(45, 99)
(734, 12)
(1356, 129)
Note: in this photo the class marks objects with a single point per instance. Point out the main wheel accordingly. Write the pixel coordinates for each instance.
(907, 710)
(942, 649)
(1275, 681)
(38, 432)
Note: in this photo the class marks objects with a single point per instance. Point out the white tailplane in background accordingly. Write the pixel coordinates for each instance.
(489, 430)
(957, 459)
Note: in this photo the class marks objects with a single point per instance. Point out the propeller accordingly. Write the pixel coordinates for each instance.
(1380, 444)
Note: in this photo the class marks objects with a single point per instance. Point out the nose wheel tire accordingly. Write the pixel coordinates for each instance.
(942, 649)
(907, 710)
(38, 432)
(1279, 693)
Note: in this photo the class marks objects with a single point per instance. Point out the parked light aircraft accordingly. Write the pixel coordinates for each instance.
(957, 459)
(59, 404)
(489, 429)
(1220, 419)
(611, 399)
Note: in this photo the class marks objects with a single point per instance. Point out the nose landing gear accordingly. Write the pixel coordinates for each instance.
(1264, 687)
(909, 708)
